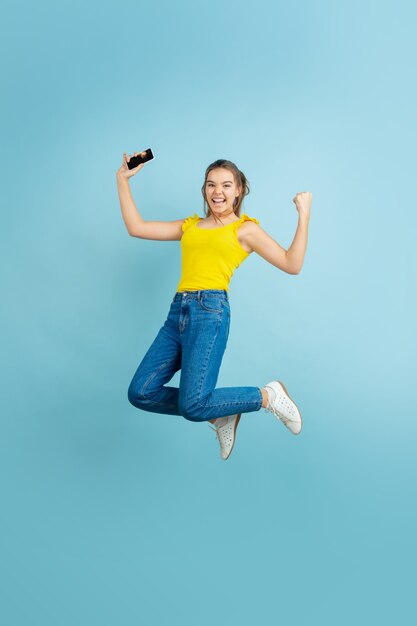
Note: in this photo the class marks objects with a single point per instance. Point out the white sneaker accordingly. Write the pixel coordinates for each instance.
(225, 428)
(281, 405)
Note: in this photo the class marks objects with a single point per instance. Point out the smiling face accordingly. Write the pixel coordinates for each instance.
(221, 191)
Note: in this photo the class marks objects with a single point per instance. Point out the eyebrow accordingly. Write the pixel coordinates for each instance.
(225, 181)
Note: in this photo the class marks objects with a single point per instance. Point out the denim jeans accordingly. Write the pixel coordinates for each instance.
(193, 339)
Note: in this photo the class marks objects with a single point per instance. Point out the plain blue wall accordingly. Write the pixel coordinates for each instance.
(114, 516)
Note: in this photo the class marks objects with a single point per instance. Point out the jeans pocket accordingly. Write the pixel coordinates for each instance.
(210, 303)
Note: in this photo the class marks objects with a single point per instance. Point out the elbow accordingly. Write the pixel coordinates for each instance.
(133, 233)
(291, 267)
(137, 230)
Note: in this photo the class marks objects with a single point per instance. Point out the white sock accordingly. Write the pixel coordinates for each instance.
(271, 396)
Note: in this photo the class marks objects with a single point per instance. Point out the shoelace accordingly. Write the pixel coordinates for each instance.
(216, 431)
(285, 403)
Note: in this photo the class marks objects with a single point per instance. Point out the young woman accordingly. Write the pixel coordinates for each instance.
(194, 336)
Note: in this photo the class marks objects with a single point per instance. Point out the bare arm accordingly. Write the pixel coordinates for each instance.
(263, 244)
(291, 260)
(296, 251)
(135, 224)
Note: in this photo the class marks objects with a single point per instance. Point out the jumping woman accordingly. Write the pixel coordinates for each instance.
(194, 335)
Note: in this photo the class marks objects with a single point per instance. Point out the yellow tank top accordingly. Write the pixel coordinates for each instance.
(210, 255)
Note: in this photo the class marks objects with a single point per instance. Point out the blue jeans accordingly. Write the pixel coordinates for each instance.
(193, 339)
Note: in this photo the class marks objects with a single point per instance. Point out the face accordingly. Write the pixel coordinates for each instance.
(221, 191)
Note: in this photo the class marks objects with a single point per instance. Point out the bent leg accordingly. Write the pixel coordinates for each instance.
(146, 390)
(203, 344)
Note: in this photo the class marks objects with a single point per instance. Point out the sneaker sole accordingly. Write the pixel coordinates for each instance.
(234, 437)
(299, 413)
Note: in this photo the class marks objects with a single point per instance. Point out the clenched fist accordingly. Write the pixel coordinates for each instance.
(302, 201)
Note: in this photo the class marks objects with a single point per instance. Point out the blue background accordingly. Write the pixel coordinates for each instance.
(110, 515)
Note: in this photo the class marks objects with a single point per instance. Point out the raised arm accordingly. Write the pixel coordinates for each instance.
(291, 260)
(135, 224)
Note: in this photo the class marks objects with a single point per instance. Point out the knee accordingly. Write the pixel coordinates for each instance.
(191, 411)
(192, 416)
(135, 397)
(132, 395)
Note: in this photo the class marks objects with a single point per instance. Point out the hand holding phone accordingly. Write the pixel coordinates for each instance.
(131, 165)
(142, 157)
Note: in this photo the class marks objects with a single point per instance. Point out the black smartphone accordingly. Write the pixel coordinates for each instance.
(143, 157)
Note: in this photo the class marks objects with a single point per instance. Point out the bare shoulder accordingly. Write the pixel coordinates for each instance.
(257, 240)
(248, 233)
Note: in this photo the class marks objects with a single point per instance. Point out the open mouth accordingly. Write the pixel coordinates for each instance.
(219, 202)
